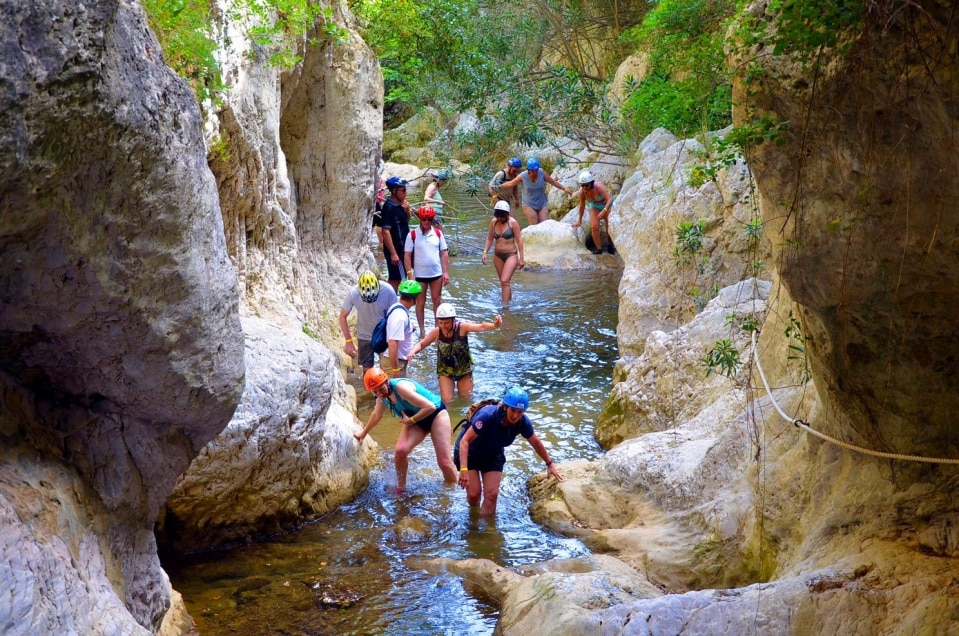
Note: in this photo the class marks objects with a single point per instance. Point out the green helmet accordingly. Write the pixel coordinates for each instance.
(410, 288)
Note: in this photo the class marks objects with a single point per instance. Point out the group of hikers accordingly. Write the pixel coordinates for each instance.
(417, 259)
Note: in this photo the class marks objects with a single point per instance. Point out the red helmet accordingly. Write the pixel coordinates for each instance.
(373, 378)
(426, 213)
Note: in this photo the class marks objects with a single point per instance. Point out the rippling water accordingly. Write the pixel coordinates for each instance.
(346, 573)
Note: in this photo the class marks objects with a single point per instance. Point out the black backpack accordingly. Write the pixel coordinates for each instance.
(378, 340)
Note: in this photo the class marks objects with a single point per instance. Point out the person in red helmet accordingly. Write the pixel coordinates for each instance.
(427, 261)
(422, 412)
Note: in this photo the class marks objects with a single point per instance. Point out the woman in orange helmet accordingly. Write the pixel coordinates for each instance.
(422, 413)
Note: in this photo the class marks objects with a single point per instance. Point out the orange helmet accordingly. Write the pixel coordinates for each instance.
(374, 377)
(426, 213)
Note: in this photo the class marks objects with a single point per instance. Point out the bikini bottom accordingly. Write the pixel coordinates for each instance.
(504, 256)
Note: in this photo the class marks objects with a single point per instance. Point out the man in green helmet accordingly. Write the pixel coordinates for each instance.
(399, 331)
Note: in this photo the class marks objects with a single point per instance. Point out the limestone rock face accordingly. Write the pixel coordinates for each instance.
(668, 384)
(288, 454)
(669, 281)
(554, 245)
(866, 223)
(119, 321)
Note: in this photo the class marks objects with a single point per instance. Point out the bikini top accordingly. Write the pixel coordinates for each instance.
(508, 234)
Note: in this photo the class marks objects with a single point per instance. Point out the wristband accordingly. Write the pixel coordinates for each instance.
(549, 463)
(349, 339)
(464, 469)
(413, 419)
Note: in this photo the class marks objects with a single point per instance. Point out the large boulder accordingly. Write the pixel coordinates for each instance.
(120, 328)
(287, 455)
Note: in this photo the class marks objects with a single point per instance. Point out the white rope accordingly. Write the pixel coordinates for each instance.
(799, 423)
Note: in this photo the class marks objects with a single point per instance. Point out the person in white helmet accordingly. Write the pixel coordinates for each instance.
(454, 364)
(505, 237)
(594, 194)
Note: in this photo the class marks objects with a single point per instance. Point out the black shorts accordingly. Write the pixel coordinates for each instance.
(483, 462)
(427, 423)
(393, 272)
(427, 281)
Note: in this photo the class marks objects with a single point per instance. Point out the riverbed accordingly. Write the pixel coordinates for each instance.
(347, 573)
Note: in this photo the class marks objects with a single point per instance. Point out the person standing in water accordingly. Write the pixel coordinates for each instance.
(371, 302)
(454, 364)
(534, 181)
(479, 455)
(395, 225)
(427, 260)
(422, 412)
(499, 193)
(505, 237)
(433, 197)
(594, 194)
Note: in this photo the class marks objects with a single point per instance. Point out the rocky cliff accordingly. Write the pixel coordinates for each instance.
(119, 314)
(149, 303)
(296, 160)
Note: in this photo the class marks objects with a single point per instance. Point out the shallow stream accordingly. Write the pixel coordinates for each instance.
(346, 573)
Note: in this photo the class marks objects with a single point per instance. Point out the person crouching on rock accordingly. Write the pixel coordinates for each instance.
(422, 412)
(478, 453)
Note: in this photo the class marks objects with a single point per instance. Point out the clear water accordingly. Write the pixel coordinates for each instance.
(348, 572)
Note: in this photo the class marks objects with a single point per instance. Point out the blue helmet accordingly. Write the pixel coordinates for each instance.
(532, 163)
(516, 397)
(514, 162)
(396, 182)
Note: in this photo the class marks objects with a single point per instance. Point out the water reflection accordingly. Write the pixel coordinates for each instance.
(347, 573)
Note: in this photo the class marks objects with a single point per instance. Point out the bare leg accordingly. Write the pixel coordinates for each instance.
(531, 216)
(505, 271)
(409, 438)
(491, 481)
(420, 312)
(441, 433)
(436, 293)
(542, 214)
(594, 229)
(465, 387)
(474, 488)
(446, 388)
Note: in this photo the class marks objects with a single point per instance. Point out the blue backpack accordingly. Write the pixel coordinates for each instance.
(378, 340)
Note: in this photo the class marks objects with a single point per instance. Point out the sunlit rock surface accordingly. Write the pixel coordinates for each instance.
(120, 328)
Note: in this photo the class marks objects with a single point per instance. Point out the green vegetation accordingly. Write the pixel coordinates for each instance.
(723, 358)
(185, 29)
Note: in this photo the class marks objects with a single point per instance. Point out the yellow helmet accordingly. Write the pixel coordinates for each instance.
(368, 286)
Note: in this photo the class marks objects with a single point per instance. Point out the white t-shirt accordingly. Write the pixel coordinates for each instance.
(399, 327)
(368, 314)
(428, 247)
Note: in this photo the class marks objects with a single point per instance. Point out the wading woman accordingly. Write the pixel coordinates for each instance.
(422, 412)
(479, 448)
(534, 181)
(507, 242)
(454, 364)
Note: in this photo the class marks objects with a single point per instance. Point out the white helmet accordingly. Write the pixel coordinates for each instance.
(502, 206)
(585, 177)
(445, 310)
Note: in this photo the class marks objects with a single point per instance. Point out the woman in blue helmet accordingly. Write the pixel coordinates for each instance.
(481, 443)
(534, 181)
